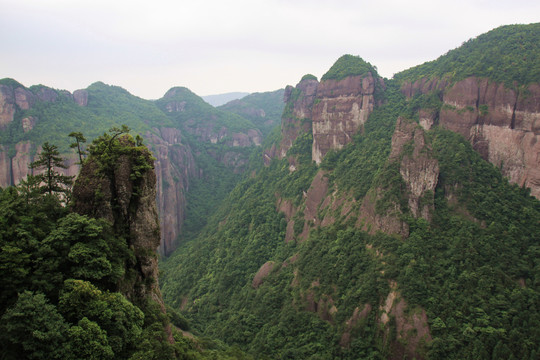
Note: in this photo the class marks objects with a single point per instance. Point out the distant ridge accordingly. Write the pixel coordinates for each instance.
(220, 99)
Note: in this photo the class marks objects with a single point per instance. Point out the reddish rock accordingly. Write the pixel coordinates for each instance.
(263, 272)
(28, 123)
(5, 168)
(174, 166)
(81, 97)
(419, 170)
(21, 161)
(47, 94)
(502, 124)
(298, 112)
(340, 110)
(7, 105)
(24, 98)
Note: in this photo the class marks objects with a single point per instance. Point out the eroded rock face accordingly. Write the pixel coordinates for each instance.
(419, 169)
(81, 97)
(174, 167)
(296, 119)
(5, 167)
(412, 327)
(130, 206)
(7, 105)
(28, 123)
(502, 124)
(340, 110)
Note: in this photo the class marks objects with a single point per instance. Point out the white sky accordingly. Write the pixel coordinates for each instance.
(218, 46)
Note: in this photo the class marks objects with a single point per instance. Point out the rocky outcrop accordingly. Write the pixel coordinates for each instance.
(297, 113)
(262, 273)
(7, 105)
(5, 167)
(81, 97)
(340, 110)
(129, 204)
(502, 124)
(126, 198)
(174, 167)
(28, 123)
(332, 110)
(412, 329)
(418, 168)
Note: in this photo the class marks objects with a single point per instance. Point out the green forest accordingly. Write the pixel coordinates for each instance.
(466, 269)
(262, 270)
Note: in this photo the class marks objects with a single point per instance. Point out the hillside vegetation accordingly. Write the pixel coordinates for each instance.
(508, 54)
(471, 270)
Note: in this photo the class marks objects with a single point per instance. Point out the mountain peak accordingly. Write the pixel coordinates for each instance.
(348, 65)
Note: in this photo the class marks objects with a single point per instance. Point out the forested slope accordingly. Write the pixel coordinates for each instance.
(404, 242)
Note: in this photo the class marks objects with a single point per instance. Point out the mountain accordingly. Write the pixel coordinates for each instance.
(192, 141)
(220, 99)
(389, 218)
(263, 109)
(81, 281)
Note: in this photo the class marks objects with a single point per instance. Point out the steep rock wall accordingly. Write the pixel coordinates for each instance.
(502, 124)
(340, 110)
(174, 167)
(297, 114)
(130, 206)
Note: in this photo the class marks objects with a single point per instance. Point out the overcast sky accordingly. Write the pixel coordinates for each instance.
(218, 46)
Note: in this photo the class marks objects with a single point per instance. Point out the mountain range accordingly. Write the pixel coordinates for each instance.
(384, 218)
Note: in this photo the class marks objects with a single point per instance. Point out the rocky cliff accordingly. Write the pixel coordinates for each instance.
(333, 110)
(341, 109)
(502, 123)
(174, 167)
(26, 112)
(118, 183)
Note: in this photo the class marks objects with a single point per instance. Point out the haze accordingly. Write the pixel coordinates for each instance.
(214, 47)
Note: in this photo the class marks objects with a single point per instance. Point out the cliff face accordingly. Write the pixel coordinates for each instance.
(502, 124)
(175, 163)
(174, 167)
(128, 202)
(341, 108)
(332, 110)
(297, 114)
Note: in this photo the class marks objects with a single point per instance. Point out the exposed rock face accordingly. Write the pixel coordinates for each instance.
(174, 167)
(419, 170)
(28, 123)
(263, 272)
(298, 112)
(502, 124)
(5, 167)
(7, 105)
(340, 110)
(22, 159)
(337, 110)
(371, 220)
(412, 329)
(130, 206)
(81, 97)
(47, 94)
(24, 98)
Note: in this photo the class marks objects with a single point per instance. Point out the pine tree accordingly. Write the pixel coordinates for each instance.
(79, 140)
(49, 159)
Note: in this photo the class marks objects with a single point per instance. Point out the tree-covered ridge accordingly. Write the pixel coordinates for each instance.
(262, 109)
(186, 108)
(107, 106)
(506, 54)
(348, 65)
